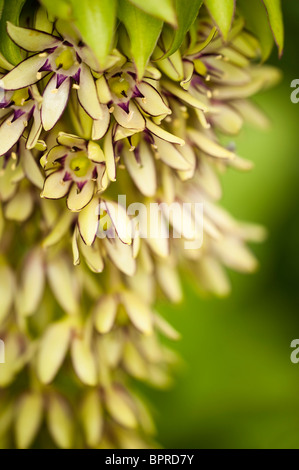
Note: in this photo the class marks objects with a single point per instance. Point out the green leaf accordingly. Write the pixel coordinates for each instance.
(11, 12)
(187, 11)
(256, 21)
(58, 8)
(163, 9)
(222, 12)
(143, 31)
(95, 19)
(274, 11)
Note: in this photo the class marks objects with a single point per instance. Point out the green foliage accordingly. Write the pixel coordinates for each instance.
(10, 11)
(143, 31)
(256, 20)
(163, 9)
(222, 12)
(276, 21)
(187, 12)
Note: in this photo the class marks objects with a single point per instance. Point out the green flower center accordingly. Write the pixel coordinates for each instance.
(80, 164)
(119, 86)
(66, 59)
(20, 96)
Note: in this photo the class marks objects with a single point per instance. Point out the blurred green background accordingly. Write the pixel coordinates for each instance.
(238, 387)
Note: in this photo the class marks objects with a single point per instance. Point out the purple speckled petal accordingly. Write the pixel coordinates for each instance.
(81, 184)
(46, 67)
(67, 177)
(17, 114)
(76, 76)
(60, 79)
(124, 106)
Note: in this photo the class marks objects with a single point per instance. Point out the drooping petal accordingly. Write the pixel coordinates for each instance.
(138, 312)
(152, 103)
(54, 102)
(28, 419)
(60, 422)
(171, 156)
(88, 222)
(209, 146)
(25, 74)
(35, 130)
(160, 132)
(121, 255)
(87, 94)
(52, 350)
(143, 173)
(105, 313)
(131, 120)
(32, 283)
(10, 132)
(31, 169)
(92, 256)
(76, 199)
(62, 282)
(109, 155)
(30, 39)
(100, 126)
(83, 362)
(120, 220)
(55, 187)
(20, 207)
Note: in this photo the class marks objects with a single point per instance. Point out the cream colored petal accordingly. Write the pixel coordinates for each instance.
(7, 290)
(92, 419)
(70, 140)
(103, 90)
(120, 220)
(35, 130)
(88, 221)
(52, 350)
(105, 313)
(143, 173)
(227, 120)
(185, 96)
(119, 408)
(138, 312)
(95, 153)
(165, 328)
(83, 362)
(152, 103)
(76, 199)
(109, 155)
(20, 207)
(160, 132)
(30, 39)
(121, 255)
(92, 256)
(28, 420)
(131, 120)
(60, 228)
(213, 277)
(32, 169)
(62, 283)
(100, 126)
(24, 74)
(169, 281)
(55, 187)
(87, 94)
(209, 146)
(32, 283)
(10, 132)
(54, 102)
(171, 156)
(60, 422)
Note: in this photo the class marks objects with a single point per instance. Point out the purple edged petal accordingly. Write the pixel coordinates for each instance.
(54, 102)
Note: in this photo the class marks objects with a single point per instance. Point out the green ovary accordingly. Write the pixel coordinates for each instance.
(119, 86)
(66, 59)
(80, 164)
(20, 96)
